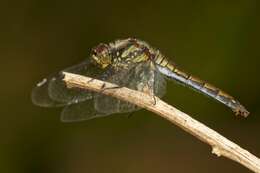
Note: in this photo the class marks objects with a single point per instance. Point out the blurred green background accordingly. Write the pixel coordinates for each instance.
(215, 40)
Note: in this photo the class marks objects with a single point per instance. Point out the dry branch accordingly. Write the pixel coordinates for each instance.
(221, 146)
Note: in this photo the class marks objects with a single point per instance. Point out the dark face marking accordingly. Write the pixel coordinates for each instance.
(101, 55)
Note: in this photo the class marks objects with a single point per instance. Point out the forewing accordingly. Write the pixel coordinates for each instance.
(52, 91)
(142, 77)
(40, 95)
(139, 77)
(110, 105)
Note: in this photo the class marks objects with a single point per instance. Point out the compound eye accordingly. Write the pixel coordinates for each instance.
(101, 49)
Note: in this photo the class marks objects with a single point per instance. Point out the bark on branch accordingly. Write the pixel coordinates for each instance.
(221, 146)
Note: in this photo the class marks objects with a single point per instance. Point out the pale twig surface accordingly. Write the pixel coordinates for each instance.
(221, 146)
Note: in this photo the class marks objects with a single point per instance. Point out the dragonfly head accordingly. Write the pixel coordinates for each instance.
(100, 54)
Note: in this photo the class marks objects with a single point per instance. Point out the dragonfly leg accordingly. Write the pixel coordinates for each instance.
(130, 115)
(91, 80)
(103, 87)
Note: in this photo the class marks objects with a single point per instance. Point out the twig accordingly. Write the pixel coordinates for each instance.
(221, 146)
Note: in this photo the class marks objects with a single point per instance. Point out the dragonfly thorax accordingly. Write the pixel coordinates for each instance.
(131, 51)
(122, 53)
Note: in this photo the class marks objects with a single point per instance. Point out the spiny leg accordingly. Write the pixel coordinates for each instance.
(129, 115)
(91, 80)
(103, 88)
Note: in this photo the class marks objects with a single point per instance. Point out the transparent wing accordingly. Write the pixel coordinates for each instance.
(87, 110)
(110, 105)
(160, 84)
(52, 91)
(79, 112)
(152, 81)
(40, 95)
(142, 77)
(139, 78)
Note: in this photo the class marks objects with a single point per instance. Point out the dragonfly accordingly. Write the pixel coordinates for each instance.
(131, 63)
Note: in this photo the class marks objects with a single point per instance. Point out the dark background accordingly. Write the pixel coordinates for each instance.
(215, 40)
